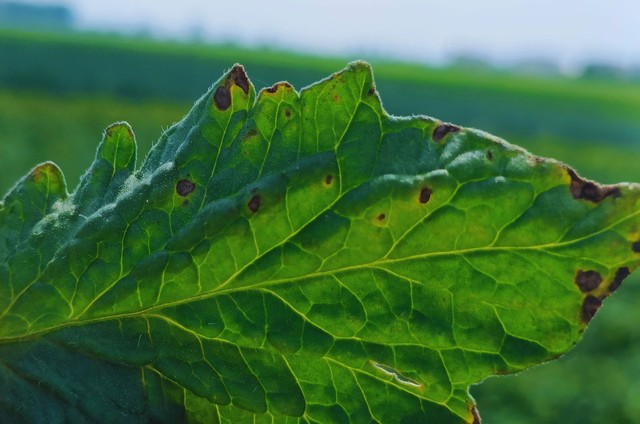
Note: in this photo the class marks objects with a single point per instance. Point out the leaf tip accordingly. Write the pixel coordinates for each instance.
(118, 145)
(235, 76)
(50, 176)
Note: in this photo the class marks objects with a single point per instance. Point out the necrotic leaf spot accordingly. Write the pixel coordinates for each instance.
(425, 195)
(590, 306)
(222, 97)
(240, 78)
(381, 217)
(588, 190)
(442, 130)
(636, 247)
(254, 203)
(328, 179)
(476, 415)
(621, 274)
(588, 280)
(184, 187)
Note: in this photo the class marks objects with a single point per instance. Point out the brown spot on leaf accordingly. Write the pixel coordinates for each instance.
(185, 187)
(621, 274)
(476, 415)
(636, 247)
(589, 190)
(442, 130)
(287, 113)
(254, 203)
(252, 132)
(588, 280)
(590, 306)
(239, 77)
(372, 91)
(381, 217)
(328, 179)
(425, 195)
(489, 155)
(275, 87)
(222, 97)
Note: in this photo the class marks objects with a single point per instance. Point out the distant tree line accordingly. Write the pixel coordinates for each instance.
(32, 16)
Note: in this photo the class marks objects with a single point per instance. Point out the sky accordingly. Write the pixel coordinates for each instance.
(568, 32)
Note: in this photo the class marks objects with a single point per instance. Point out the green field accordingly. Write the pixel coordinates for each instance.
(58, 92)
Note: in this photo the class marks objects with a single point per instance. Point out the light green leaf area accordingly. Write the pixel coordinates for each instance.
(295, 258)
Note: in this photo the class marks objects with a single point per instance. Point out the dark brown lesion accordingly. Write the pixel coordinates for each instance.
(185, 187)
(588, 280)
(425, 195)
(590, 190)
(636, 247)
(381, 217)
(621, 274)
(222, 96)
(476, 415)
(590, 306)
(240, 78)
(442, 130)
(275, 87)
(328, 179)
(254, 203)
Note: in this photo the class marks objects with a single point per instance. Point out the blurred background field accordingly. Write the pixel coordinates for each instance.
(59, 89)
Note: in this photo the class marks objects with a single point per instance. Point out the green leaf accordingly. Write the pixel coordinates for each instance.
(298, 257)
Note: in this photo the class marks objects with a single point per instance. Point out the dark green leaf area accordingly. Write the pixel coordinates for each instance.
(298, 257)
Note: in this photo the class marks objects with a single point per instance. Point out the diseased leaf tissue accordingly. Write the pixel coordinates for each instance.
(298, 257)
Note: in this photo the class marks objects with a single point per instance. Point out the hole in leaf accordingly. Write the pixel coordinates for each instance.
(392, 372)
